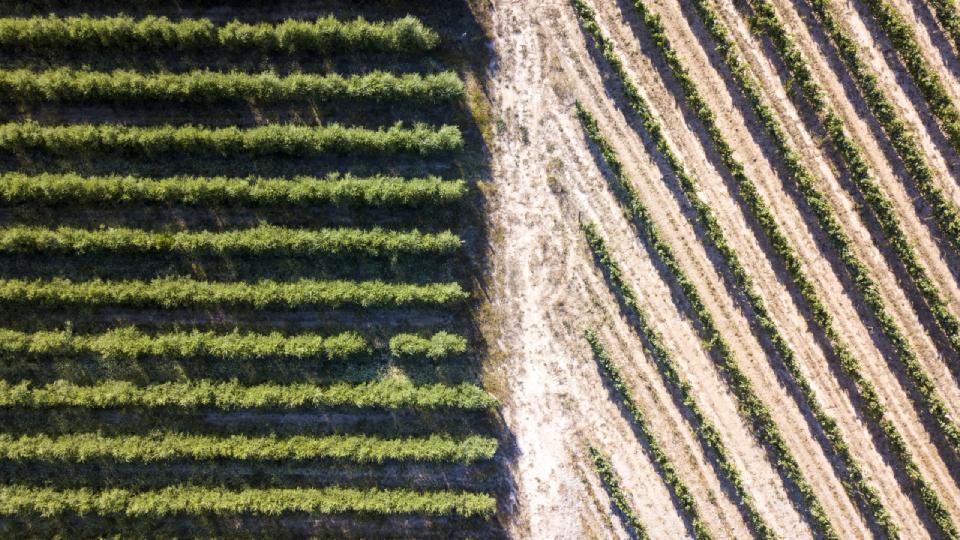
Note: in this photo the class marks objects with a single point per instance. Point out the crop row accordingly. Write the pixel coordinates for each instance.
(750, 405)
(164, 446)
(382, 394)
(653, 344)
(667, 470)
(828, 222)
(904, 41)
(130, 343)
(949, 18)
(611, 483)
(71, 85)
(324, 35)
(858, 488)
(262, 239)
(173, 293)
(188, 500)
(376, 191)
(291, 140)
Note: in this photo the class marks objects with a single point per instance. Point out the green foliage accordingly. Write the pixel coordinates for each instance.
(47, 502)
(279, 139)
(70, 85)
(438, 346)
(342, 190)
(666, 468)
(163, 446)
(259, 240)
(128, 343)
(390, 393)
(173, 293)
(325, 35)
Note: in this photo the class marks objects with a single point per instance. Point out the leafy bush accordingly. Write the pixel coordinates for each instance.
(435, 347)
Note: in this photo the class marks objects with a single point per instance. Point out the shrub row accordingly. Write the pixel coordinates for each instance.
(856, 484)
(947, 217)
(279, 139)
(173, 293)
(71, 85)
(129, 343)
(324, 35)
(757, 413)
(924, 76)
(949, 18)
(262, 239)
(343, 190)
(16, 500)
(678, 488)
(163, 446)
(435, 347)
(381, 394)
(611, 483)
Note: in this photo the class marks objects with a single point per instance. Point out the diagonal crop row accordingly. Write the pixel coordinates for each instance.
(668, 471)
(278, 139)
(904, 42)
(173, 293)
(653, 343)
(190, 500)
(856, 484)
(611, 483)
(166, 446)
(203, 86)
(263, 239)
(949, 18)
(322, 35)
(381, 394)
(342, 190)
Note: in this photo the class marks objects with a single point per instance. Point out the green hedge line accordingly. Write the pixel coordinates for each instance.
(173, 293)
(128, 343)
(611, 483)
(290, 140)
(666, 467)
(439, 345)
(71, 85)
(949, 18)
(382, 394)
(324, 35)
(343, 190)
(21, 500)
(163, 446)
(263, 239)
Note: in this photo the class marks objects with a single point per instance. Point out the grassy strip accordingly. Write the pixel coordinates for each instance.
(750, 405)
(341, 190)
(279, 139)
(666, 468)
(71, 85)
(172, 293)
(262, 239)
(21, 500)
(824, 213)
(881, 206)
(323, 35)
(438, 346)
(381, 394)
(164, 446)
(128, 343)
(611, 483)
(856, 484)
(653, 343)
(904, 41)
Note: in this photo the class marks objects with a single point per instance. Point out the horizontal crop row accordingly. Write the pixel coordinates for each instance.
(69, 85)
(322, 35)
(377, 191)
(162, 446)
(130, 343)
(259, 240)
(380, 394)
(172, 293)
(21, 500)
(292, 140)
